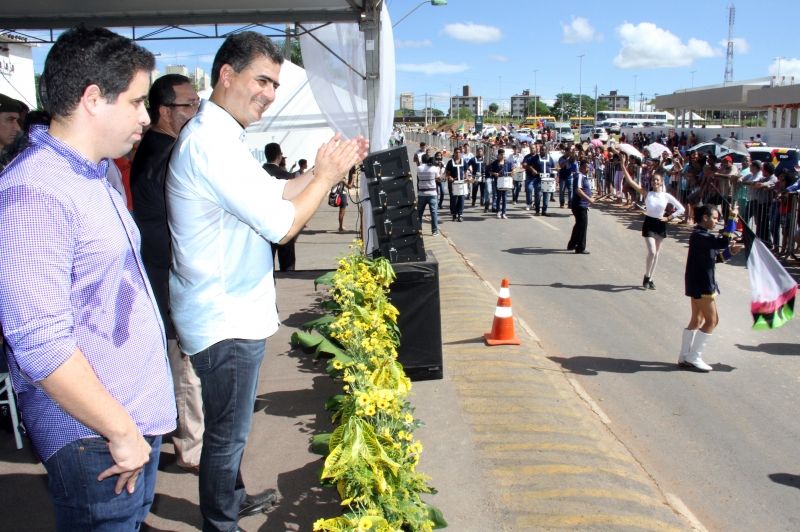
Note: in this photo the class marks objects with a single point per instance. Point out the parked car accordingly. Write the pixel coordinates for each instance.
(564, 132)
(596, 132)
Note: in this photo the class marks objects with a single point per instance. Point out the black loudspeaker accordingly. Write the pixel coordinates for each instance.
(405, 249)
(397, 222)
(392, 162)
(389, 192)
(415, 293)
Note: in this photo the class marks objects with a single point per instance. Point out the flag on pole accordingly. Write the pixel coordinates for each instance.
(772, 289)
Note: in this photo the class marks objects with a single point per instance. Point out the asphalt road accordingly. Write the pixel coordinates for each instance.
(724, 443)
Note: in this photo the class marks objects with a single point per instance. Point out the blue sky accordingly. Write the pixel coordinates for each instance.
(495, 46)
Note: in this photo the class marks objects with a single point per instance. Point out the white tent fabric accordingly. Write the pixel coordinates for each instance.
(294, 120)
(342, 93)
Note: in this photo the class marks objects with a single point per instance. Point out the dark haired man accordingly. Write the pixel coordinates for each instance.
(11, 114)
(581, 198)
(173, 101)
(285, 252)
(87, 351)
(223, 214)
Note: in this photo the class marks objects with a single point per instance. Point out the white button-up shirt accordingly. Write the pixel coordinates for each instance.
(223, 212)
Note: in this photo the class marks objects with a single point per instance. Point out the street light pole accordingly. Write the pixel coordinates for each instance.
(692, 73)
(580, 89)
(535, 96)
(431, 2)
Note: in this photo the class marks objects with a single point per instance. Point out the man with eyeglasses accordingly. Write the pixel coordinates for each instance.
(173, 101)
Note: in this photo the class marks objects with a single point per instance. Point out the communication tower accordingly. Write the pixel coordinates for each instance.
(729, 56)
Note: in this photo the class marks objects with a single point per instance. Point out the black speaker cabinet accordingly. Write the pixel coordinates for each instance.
(415, 293)
(397, 222)
(405, 249)
(392, 162)
(389, 192)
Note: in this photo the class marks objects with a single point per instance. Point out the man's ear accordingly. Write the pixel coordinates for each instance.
(92, 99)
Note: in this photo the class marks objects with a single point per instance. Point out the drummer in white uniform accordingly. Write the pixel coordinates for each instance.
(477, 171)
(517, 173)
(456, 172)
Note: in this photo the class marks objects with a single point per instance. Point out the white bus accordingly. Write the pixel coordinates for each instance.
(633, 118)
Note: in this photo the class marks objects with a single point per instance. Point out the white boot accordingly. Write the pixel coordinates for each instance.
(696, 353)
(686, 345)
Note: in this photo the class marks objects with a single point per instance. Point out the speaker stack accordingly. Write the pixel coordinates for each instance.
(415, 290)
(394, 205)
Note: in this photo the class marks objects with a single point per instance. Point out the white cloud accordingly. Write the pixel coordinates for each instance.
(645, 45)
(579, 30)
(499, 58)
(413, 44)
(789, 67)
(740, 45)
(436, 67)
(474, 33)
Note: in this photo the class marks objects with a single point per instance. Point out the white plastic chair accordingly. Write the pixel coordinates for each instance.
(8, 391)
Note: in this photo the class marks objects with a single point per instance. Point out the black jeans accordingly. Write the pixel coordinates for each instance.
(578, 239)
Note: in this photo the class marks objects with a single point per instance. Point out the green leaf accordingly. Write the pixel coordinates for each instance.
(334, 402)
(435, 515)
(319, 443)
(306, 340)
(327, 348)
(326, 279)
(331, 305)
(318, 323)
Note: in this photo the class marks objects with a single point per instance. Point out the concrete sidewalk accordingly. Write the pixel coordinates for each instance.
(509, 440)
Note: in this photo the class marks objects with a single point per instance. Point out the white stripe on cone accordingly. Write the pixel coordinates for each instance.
(505, 293)
(502, 312)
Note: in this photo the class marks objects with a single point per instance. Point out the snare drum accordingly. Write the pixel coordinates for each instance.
(505, 182)
(460, 188)
(548, 184)
(518, 175)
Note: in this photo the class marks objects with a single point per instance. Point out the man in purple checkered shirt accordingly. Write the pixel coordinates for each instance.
(87, 348)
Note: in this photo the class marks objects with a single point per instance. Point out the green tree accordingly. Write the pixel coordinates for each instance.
(537, 108)
(464, 114)
(567, 103)
(493, 108)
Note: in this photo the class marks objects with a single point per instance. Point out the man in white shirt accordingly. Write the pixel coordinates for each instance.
(224, 211)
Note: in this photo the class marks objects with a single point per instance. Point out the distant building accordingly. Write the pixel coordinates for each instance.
(178, 69)
(519, 103)
(16, 69)
(407, 100)
(474, 104)
(154, 75)
(614, 101)
(200, 79)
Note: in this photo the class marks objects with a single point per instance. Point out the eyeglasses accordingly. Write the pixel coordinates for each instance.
(194, 103)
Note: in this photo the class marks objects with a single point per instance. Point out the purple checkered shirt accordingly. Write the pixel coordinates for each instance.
(71, 276)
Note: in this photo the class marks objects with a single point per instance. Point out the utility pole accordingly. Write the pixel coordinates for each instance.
(580, 90)
(535, 96)
(692, 73)
(634, 92)
(595, 105)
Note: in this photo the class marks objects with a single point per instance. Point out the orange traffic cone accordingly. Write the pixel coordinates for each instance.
(503, 324)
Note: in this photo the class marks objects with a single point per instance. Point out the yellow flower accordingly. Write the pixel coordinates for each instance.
(318, 524)
(365, 523)
(370, 410)
(337, 364)
(409, 418)
(349, 378)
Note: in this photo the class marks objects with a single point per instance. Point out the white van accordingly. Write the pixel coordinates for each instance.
(564, 132)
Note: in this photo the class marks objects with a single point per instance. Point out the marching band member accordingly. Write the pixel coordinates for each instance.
(429, 172)
(536, 167)
(500, 167)
(455, 171)
(581, 198)
(516, 163)
(477, 170)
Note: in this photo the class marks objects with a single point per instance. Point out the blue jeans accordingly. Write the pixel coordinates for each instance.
(440, 189)
(228, 372)
(491, 191)
(500, 201)
(564, 186)
(458, 205)
(515, 191)
(83, 503)
(432, 203)
(528, 191)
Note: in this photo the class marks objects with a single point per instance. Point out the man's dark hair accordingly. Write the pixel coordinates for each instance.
(240, 49)
(85, 56)
(768, 167)
(272, 151)
(162, 93)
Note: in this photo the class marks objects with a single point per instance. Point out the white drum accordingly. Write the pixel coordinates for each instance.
(460, 188)
(505, 182)
(519, 175)
(548, 184)
(478, 178)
